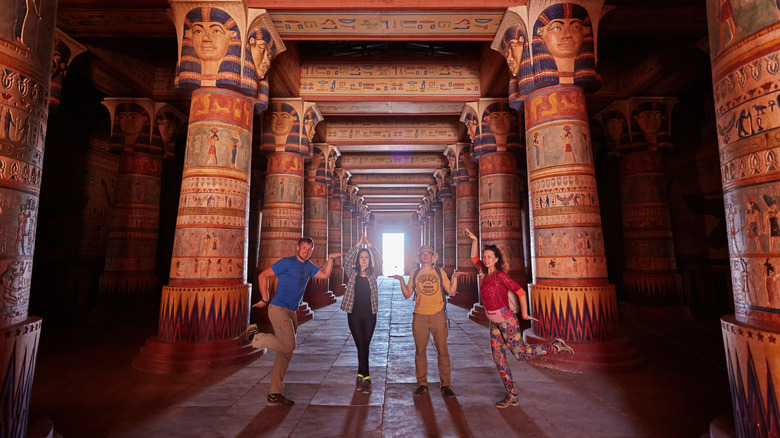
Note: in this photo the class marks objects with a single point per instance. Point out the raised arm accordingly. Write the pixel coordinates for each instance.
(324, 272)
(349, 261)
(474, 244)
(452, 288)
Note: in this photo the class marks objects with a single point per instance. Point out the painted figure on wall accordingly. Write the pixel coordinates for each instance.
(563, 48)
(568, 151)
(211, 50)
(282, 126)
(752, 224)
(235, 143)
(212, 139)
(131, 124)
(770, 221)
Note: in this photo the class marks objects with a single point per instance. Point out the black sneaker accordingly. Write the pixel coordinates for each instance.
(278, 400)
(422, 389)
(359, 383)
(367, 386)
(446, 391)
(246, 337)
(509, 400)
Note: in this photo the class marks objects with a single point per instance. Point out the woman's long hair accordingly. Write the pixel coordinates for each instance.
(370, 268)
(497, 252)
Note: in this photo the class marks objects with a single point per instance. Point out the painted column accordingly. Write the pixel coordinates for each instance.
(449, 248)
(283, 202)
(140, 135)
(335, 208)
(437, 228)
(26, 61)
(346, 216)
(464, 176)
(744, 46)
(315, 223)
(650, 278)
(357, 218)
(205, 305)
(570, 294)
(495, 147)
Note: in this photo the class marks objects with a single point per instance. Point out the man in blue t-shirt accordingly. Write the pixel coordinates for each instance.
(293, 274)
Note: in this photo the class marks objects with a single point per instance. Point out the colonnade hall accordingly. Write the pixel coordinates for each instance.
(157, 155)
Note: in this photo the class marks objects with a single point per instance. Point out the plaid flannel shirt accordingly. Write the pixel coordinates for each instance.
(352, 273)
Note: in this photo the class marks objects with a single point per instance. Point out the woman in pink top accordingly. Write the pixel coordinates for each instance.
(504, 326)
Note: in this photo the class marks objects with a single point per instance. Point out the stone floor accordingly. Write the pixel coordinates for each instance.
(85, 384)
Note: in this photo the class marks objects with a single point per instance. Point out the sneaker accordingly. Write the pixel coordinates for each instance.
(422, 389)
(562, 347)
(359, 383)
(509, 400)
(446, 391)
(246, 337)
(367, 386)
(278, 400)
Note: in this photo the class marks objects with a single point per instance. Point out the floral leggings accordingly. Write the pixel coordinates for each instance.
(508, 333)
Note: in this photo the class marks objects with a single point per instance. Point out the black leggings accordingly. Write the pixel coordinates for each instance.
(362, 326)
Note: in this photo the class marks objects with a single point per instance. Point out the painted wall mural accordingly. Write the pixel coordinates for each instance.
(388, 24)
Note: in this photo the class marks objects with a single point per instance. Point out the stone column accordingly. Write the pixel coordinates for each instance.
(357, 218)
(437, 228)
(26, 61)
(571, 294)
(315, 223)
(744, 46)
(335, 208)
(346, 216)
(495, 148)
(284, 192)
(651, 282)
(448, 252)
(205, 305)
(140, 135)
(464, 176)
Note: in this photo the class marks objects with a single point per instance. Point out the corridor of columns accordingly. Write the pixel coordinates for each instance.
(620, 153)
(677, 392)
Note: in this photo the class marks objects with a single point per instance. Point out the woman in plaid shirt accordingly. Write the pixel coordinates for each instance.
(362, 267)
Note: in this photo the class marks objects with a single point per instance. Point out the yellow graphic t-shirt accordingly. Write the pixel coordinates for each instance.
(429, 300)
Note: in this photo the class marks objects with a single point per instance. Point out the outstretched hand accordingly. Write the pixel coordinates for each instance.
(397, 277)
(530, 318)
(470, 234)
(336, 255)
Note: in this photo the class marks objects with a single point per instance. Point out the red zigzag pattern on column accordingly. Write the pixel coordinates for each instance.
(575, 324)
(197, 324)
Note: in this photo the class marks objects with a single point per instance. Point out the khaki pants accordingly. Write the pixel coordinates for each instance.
(422, 327)
(285, 324)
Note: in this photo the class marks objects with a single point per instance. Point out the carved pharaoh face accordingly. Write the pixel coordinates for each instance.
(615, 129)
(261, 56)
(563, 37)
(471, 128)
(514, 54)
(281, 122)
(211, 41)
(649, 122)
(131, 123)
(500, 122)
(310, 124)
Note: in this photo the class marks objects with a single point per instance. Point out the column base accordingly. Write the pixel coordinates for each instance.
(478, 315)
(317, 293)
(607, 356)
(467, 291)
(122, 287)
(676, 314)
(339, 289)
(40, 427)
(162, 357)
(753, 366)
(304, 312)
(723, 427)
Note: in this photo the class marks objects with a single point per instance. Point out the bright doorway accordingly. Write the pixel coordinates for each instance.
(393, 253)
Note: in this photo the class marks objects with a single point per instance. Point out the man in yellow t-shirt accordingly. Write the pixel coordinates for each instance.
(429, 318)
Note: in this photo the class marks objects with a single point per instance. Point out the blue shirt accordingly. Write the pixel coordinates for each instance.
(293, 275)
